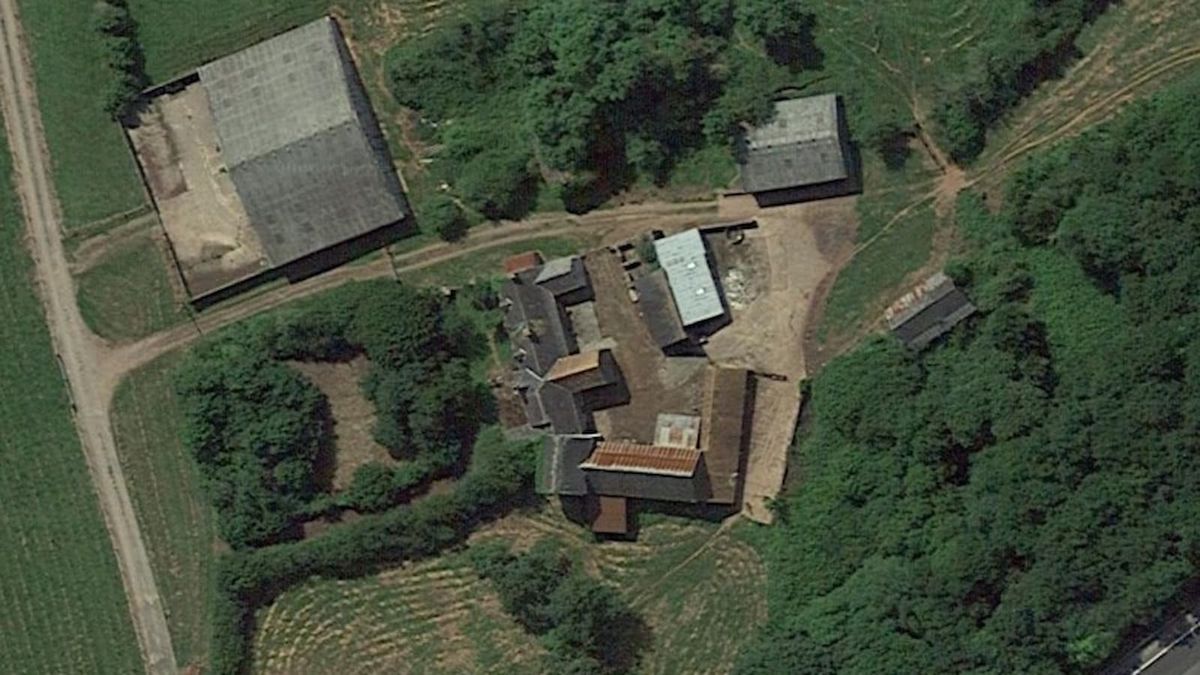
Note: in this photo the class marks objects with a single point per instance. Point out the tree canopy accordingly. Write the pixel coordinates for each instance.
(1024, 495)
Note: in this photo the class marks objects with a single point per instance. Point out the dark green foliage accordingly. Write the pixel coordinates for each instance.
(1023, 496)
(1008, 69)
(584, 624)
(442, 215)
(500, 475)
(111, 19)
(592, 94)
(256, 428)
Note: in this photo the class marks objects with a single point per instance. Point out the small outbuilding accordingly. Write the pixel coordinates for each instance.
(928, 311)
(801, 154)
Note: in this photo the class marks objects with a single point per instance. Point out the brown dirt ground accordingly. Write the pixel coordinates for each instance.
(353, 415)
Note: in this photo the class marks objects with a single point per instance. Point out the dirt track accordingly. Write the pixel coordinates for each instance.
(78, 349)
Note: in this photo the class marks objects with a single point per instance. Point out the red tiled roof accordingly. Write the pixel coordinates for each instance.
(521, 262)
(643, 458)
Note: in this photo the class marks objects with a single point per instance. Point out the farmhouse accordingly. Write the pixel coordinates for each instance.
(627, 416)
(800, 154)
(269, 160)
(928, 311)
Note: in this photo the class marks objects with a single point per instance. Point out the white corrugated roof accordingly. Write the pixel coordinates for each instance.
(685, 260)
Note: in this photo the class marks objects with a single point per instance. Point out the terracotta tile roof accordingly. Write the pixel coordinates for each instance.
(643, 458)
(521, 262)
(574, 364)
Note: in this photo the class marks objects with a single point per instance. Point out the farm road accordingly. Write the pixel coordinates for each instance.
(78, 349)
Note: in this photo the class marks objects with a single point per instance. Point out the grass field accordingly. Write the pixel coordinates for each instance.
(64, 605)
(128, 294)
(488, 263)
(175, 517)
(700, 592)
(94, 172)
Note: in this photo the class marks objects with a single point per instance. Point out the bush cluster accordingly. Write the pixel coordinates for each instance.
(1007, 70)
(113, 21)
(585, 625)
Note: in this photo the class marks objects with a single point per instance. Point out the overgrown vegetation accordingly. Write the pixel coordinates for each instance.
(259, 429)
(1022, 496)
(585, 626)
(588, 96)
(125, 59)
(1006, 68)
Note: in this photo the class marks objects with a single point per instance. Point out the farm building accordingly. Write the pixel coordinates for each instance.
(684, 260)
(658, 311)
(800, 154)
(928, 311)
(280, 134)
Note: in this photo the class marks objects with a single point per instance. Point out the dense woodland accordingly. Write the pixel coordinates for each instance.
(590, 95)
(1020, 497)
(261, 432)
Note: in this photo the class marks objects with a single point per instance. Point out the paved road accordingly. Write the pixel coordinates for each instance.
(1183, 659)
(75, 344)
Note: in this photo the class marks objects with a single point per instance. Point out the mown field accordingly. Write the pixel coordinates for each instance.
(94, 172)
(64, 607)
(700, 590)
(173, 511)
(128, 294)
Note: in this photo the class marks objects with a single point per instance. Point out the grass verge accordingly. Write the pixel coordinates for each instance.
(94, 171)
(486, 263)
(128, 294)
(64, 605)
(177, 521)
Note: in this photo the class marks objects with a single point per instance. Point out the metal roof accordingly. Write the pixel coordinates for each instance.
(802, 145)
(928, 311)
(685, 260)
(677, 431)
(555, 268)
(300, 142)
(723, 431)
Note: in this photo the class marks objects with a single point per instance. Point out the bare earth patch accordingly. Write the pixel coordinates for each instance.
(353, 415)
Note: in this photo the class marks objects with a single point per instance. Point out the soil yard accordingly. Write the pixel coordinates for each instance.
(699, 587)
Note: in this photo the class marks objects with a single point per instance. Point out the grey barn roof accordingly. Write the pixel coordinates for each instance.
(928, 311)
(684, 258)
(300, 142)
(536, 325)
(801, 146)
(559, 472)
(658, 309)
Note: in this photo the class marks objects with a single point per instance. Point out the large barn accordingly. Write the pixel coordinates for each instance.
(284, 168)
(800, 154)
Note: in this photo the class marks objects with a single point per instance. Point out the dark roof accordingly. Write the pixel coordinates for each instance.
(558, 471)
(722, 430)
(563, 410)
(802, 145)
(301, 145)
(564, 276)
(662, 487)
(928, 311)
(658, 309)
(536, 326)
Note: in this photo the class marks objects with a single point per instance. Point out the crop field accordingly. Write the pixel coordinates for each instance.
(700, 589)
(128, 294)
(94, 172)
(64, 604)
(173, 511)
